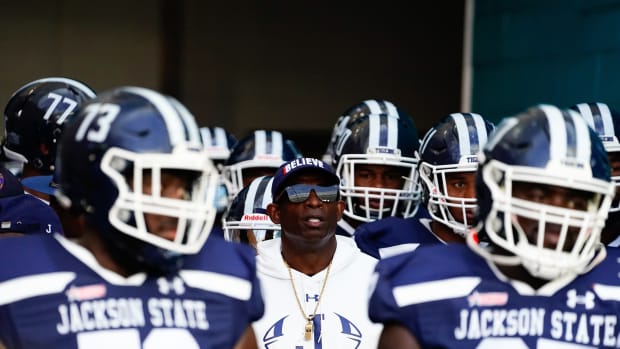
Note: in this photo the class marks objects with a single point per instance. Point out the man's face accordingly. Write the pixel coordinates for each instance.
(174, 185)
(554, 196)
(461, 185)
(310, 220)
(381, 177)
(614, 161)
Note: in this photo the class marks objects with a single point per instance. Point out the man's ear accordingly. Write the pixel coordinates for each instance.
(341, 206)
(273, 211)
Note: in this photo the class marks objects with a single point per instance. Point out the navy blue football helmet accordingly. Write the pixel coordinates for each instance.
(451, 146)
(543, 146)
(376, 132)
(111, 163)
(218, 143)
(34, 118)
(261, 149)
(246, 219)
(605, 121)
(360, 110)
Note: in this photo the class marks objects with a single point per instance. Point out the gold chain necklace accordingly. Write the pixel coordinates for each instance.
(309, 324)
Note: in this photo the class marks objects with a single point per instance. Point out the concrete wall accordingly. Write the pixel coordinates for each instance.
(287, 65)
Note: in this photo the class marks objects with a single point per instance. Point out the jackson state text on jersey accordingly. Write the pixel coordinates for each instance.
(449, 297)
(53, 294)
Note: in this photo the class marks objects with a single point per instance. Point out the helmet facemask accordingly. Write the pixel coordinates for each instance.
(562, 240)
(367, 204)
(251, 229)
(441, 205)
(614, 160)
(193, 211)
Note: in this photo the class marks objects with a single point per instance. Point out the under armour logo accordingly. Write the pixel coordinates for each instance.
(175, 285)
(586, 300)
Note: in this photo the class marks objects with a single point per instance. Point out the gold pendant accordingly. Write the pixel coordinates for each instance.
(308, 334)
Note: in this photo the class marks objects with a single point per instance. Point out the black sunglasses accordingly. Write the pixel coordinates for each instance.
(299, 193)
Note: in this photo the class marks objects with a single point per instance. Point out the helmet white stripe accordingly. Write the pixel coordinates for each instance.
(603, 118)
(260, 142)
(463, 133)
(427, 137)
(248, 205)
(586, 113)
(557, 132)
(497, 135)
(391, 109)
(481, 129)
(193, 132)
(392, 132)
(276, 143)
(606, 118)
(205, 133)
(373, 106)
(559, 138)
(267, 199)
(220, 137)
(87, 90)
(174, 124)
(584, 148)
(374, 130)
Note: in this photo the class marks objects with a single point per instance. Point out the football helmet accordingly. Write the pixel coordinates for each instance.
(360, 110)
(264, 149)
(605, 121)
(451, 146)
(34, 118)
(246, 219)
(375, 132)
(543, 146)
(120, 142)
(218, 142)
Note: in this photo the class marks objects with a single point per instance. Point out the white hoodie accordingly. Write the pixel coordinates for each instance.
(342, 317)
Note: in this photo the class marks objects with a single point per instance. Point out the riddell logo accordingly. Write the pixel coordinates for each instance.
(255, 217)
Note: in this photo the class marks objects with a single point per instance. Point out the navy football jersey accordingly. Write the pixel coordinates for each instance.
(344, 228)
(449, 297)
(53, 294)
(392, 235)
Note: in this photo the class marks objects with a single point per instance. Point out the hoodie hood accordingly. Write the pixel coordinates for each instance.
(269, 260)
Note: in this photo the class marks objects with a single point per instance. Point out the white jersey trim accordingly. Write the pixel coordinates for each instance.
(434, 290)
(607, 292)
(390, 251)
(228, 285)
(34, 285)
